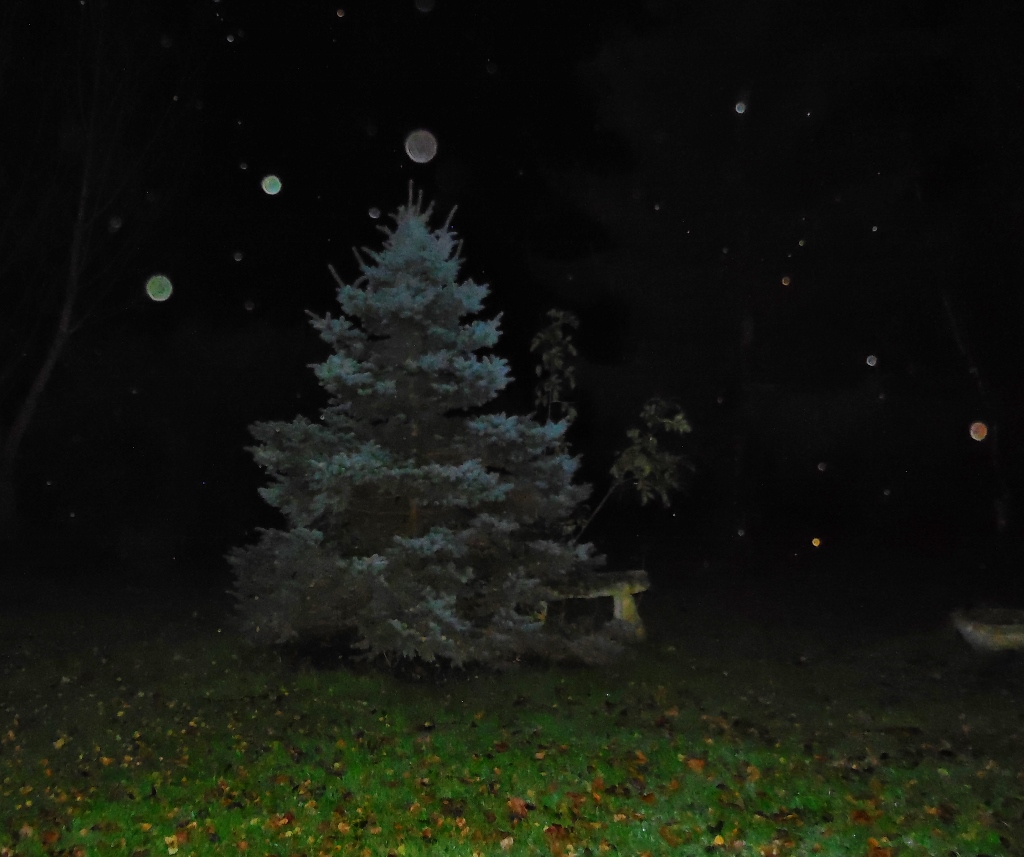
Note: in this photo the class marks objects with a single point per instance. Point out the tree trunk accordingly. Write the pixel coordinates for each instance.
(8, 507)
(16, 432)
(30, 403)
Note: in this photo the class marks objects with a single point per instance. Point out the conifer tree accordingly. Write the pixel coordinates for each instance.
(415, 520)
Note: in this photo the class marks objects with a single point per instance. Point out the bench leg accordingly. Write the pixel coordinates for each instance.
(625, 609)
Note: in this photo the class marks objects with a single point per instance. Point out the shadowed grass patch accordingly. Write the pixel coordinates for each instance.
(165, 736)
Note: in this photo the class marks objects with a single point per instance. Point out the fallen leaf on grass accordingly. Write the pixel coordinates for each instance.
(518, 808)
(577, 800)
(944, 812)
(557, 836)
(666, 833)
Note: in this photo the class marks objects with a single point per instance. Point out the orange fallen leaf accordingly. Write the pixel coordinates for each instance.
(666, 833)
(556, 836)
(577, 800)
(517, 807)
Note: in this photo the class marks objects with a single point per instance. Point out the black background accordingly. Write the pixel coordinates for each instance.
(599, 164)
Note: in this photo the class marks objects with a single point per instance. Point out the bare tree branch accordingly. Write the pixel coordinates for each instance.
(94, 139)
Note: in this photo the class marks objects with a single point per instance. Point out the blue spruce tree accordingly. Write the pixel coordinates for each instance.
(416, 522)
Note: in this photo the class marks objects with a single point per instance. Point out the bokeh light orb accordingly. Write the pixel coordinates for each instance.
(271, 185)
(816, 542)
(872, 360)
(159, 288)
(979, 431)
(421, 146)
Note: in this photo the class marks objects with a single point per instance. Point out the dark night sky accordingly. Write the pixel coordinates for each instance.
(745, 263)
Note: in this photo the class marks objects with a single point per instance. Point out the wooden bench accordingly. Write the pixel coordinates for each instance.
(620, 587)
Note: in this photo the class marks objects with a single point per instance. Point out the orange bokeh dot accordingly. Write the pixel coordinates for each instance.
(816, 542)
(979, 431)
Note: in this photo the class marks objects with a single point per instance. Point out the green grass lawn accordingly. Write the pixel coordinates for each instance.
(158, 734)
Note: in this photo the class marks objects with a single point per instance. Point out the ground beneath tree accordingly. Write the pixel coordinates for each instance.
(824, 639)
